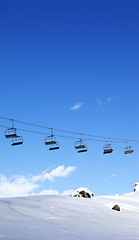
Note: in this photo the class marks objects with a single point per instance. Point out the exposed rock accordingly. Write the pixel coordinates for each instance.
(116, 208)
(82, 192)
(136, 188)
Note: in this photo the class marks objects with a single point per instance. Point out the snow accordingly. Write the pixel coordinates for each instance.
(62, 217)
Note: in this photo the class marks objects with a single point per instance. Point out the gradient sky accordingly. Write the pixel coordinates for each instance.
(71, 65)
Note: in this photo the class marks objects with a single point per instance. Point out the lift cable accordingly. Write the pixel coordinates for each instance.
(69, 132)
(63, 136)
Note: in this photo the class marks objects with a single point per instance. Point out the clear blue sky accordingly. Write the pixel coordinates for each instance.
(55, 54)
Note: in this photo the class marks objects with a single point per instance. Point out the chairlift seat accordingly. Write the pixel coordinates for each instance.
(80, 146)
(18, 140)
(50, 142)
(12, 135)
(82, 150)
(17, 143)
(54, 148)
(128, 151)
(108, 151)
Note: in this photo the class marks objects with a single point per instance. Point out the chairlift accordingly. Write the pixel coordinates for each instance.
(82, 150)
(18, 140)
(56, 146)
(11, 132)
(128, 149)
(51, 142)
(80, 146)
(107, 148)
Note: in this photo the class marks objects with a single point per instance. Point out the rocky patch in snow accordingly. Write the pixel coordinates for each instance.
(82, 192)
(136, 188)
(116, 208)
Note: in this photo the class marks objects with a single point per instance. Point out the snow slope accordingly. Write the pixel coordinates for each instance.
(67, 218)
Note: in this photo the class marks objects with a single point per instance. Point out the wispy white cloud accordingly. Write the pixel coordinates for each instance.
(99, 103)
(67, 192)
(110, 98)
(16, 186)
(53, 192)
(104, 102)
(49, 192)
(113, 175)
(21, 185)
(60, 171)
(76, 106)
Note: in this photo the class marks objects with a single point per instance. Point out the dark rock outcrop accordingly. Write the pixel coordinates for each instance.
(116, 208)
(85, 194)
(136, 187)
(82, 192)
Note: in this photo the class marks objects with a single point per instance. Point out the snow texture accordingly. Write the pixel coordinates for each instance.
(61, 217)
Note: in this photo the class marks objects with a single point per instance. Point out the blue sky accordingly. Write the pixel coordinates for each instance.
(71, 65)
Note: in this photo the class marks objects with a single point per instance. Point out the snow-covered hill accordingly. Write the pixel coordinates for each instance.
(67, 218)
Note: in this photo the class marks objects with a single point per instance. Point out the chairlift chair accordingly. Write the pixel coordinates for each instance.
(107, 148)
(80, 146)
(82, 150)
(51, 142)
(18, 140)
(128, 149)
(11, 132)
(55, 146)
